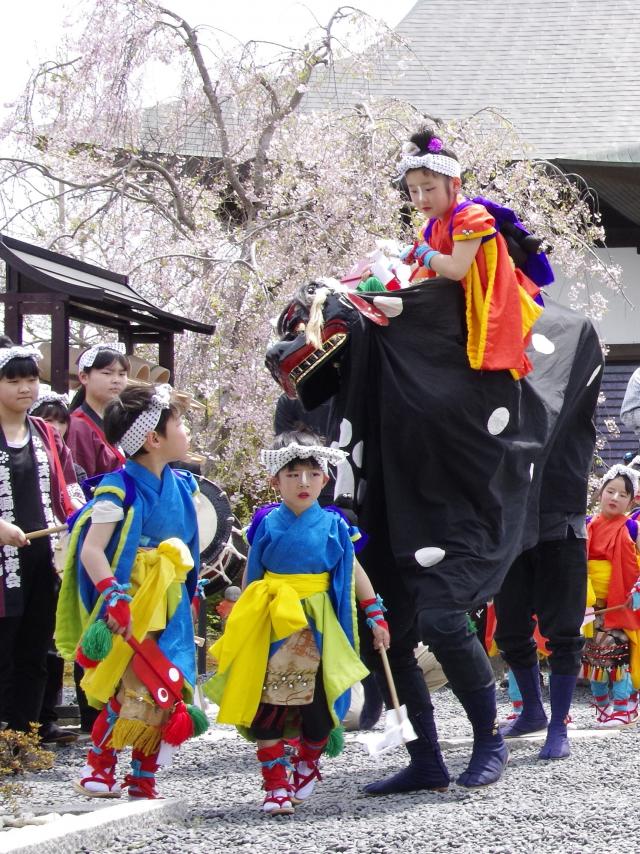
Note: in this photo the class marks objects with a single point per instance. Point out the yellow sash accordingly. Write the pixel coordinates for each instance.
(598, 588)
(268, 610)
(156, 580)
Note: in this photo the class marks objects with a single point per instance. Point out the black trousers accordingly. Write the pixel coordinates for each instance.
(550, 581)
(315, 719)
(25, 639)
(88, 714)
(447, 633)
(52, 689)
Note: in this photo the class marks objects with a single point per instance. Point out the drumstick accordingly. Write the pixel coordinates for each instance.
(44, 532)
(613, 608)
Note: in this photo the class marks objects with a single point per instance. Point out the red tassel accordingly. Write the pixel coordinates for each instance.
(179, 727)
(85, 661)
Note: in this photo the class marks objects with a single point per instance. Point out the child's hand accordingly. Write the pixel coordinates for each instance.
(119, 619)
(381, 637)
(407, 256)
(634, 597)
(12, 535)
(117, 602)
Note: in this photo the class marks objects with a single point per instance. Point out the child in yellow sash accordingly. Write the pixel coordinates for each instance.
(134, 565)
(613, 569)
(289, 654)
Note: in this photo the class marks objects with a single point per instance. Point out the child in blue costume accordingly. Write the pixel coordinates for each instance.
(135, 542)
(289, 654)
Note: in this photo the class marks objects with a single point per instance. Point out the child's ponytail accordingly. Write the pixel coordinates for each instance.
(427, 141)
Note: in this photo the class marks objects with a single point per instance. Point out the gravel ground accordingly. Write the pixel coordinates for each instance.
(575, 805)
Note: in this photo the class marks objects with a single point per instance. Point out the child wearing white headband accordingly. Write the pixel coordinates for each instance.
(134, 567)
(611, 656)
(288, 656)
(460, 241)
(36, 472)
(102, 371)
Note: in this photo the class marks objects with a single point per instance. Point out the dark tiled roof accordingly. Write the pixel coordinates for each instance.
(564, 72)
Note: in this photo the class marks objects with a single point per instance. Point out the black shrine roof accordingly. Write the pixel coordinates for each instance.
(95, 294)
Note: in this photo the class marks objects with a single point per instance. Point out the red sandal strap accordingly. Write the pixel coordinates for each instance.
(301, 780)
(280, 800)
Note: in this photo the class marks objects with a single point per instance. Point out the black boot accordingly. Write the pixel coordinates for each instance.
(561, 690)
(490, 754)
(426, 768)
(533, 717)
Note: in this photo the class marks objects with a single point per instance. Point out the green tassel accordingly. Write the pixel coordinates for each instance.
(371, 285)
(97, 641)
(200, 721)
(335, 744)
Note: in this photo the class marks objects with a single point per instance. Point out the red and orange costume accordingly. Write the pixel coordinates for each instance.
(500, 306)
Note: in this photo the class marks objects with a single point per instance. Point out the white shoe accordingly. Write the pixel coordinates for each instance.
(305, 777)
(277, 802)
(97, 783)
(617, 720)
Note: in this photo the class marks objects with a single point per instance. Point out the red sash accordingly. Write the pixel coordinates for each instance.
(78, 413)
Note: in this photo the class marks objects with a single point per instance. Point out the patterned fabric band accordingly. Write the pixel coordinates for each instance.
(19, 352)
(619, 469)
(273, 461)
(87, 358)
(374, 610)
(135, 436)
(434, 162)
(50, 397)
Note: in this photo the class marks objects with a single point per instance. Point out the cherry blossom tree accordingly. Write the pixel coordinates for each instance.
(220, 202)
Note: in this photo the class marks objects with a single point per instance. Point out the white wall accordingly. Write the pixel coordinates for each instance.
(621, 323)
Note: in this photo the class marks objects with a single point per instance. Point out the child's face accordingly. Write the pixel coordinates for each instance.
(430, 193)
(19, 393)
(175, 443)
(300, 486)
(103, 384)
(615, 500)
(60, 426)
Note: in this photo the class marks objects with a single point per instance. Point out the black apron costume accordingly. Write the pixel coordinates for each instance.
(448, 467)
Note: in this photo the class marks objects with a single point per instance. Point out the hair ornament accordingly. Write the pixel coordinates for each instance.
(49, 397)
(435, 145)
(135, 437)
(19, 351)
(273, 461)
(89, 356)
(617, 471)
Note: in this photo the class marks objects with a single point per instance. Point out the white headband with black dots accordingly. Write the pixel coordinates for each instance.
(50, 397)
(273, 461)
(136, 435)
(87, 358)
(617, 471)
(434, 162)
(18, 351)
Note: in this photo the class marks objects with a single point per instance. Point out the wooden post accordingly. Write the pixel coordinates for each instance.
(165, 353)
(12, 313)
(60, 346)
(125, 336)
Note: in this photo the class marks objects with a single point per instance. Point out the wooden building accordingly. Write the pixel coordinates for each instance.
(39, 282)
